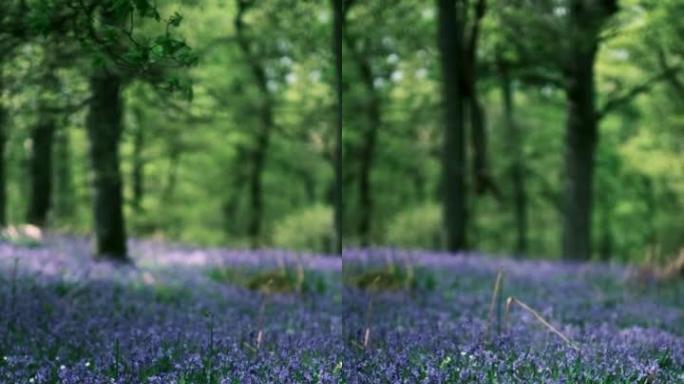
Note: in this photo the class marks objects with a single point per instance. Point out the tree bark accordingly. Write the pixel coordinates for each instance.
(338, 21)
(453, 161)
(3, 141)
(104, 125)
(63, 179)
(581, 140)
(40, 193)
(517, 172)
(366, 157)
(266, 124)
(585, 21)
(366, 152)
(482, 179)
(138, 171)
(254, 228)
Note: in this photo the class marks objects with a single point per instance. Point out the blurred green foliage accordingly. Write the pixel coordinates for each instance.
(284, 280)
(391, 277)
(187, 165)
(639, 174)
(307, 230)
(419, 226)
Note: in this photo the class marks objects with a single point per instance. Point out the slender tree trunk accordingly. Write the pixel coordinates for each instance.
(517, 173)
(172, 174)
(138, 171)
(3, 141)
(231, 204)
(482, 179)
(338, 21)
(104, 125)
(266, 123)
(259, 153)
(366, 152)
(453, 167)
(64, 188)
(607, 239)
(366, 158)
(40, 164)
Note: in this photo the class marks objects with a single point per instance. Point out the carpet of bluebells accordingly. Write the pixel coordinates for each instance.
(178, 315)
(626, 330)
(65, 318)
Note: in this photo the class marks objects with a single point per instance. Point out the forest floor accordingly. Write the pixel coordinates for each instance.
(193, 315)
(176, 315)
(420, 317)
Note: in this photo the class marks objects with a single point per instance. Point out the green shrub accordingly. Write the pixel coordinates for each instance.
(310, 229)
(417, 227)
(391, 277)
(281, 280)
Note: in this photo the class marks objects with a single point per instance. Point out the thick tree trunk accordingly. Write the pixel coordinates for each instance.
(517, 172)
(104, 125)
(581, 138)
(40, 193)
(453, 167)
(585, 21)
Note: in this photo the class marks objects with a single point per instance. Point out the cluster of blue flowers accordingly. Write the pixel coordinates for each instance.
(67, 319)
(618, 329)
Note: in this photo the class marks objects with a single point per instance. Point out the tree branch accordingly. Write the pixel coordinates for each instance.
(619, 100)
(672, 76)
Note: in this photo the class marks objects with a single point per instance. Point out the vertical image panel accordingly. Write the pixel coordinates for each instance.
(511, 186)
(168, 192)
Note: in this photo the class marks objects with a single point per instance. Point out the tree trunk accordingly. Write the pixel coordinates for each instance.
(581, 137)
(366, 152)
(40, 193)
(338, 13)
(3, 142)
(517, 172)
(482, 178)
(585, 20)
(138, 171)
(174, 148)
(453, 167)
(263, 136)
(259, 153)
(63, 179)
(366, 157)
(104, 125)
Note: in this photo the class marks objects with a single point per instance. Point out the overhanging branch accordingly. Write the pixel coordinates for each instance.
(625, 97)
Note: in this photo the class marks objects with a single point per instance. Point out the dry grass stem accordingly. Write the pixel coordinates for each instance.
(539, 318)
(492, 305)
(366, 337)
